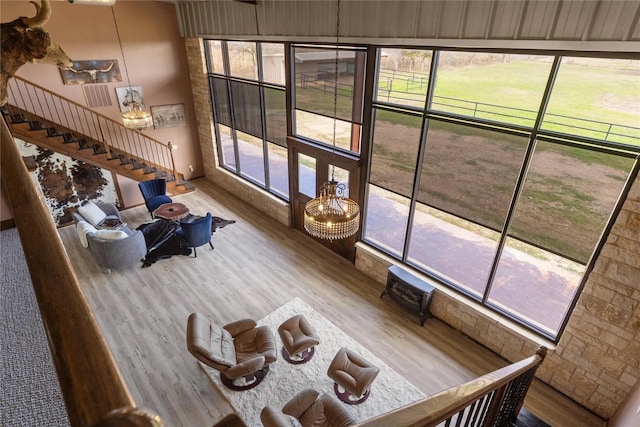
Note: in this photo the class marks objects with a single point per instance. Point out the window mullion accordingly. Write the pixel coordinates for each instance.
(521, 177)
(234, 137)
(420, 159)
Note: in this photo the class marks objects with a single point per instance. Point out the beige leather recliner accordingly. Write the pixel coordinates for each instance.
(241, 350)
(309, 410)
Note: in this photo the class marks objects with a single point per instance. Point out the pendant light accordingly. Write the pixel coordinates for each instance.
(332, 216)
(136, 118)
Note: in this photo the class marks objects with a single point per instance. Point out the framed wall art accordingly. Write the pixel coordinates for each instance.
(127, 94)
(166, 116)
(92, 71)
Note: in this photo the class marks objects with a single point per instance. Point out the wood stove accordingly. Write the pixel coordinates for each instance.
(409, 291)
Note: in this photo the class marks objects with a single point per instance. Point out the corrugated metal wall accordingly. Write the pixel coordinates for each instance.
(489, 23)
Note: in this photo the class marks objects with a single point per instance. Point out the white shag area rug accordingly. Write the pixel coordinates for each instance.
(284, 380)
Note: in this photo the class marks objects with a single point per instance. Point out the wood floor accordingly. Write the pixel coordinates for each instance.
(258, 265)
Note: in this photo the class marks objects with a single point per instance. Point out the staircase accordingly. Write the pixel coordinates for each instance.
(43, 118)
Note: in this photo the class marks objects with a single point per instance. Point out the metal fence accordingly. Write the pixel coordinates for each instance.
(412, 91)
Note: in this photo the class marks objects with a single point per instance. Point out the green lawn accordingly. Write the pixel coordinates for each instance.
(596, 102)
(581, 94)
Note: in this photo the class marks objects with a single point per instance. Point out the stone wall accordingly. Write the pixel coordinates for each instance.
(597, 360)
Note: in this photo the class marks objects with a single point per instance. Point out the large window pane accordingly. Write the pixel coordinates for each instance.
(471, 172)
(226, 142)
(247, 112)
(315, 73)
(596, 98)
(567, 198)
(273, 70)
(307, 175)
(499, 87)
(275, 106)
(386, 220)
(279, 170)
(453, 249)
(251, 156)
(535, 285)
(396, 139)
(221, 101)
(243, 60)
(214, 50)
(320, 128)
(403, 76)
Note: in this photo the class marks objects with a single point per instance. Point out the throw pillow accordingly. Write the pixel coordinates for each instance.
(92, 213)
(83, 227)
(111, 234)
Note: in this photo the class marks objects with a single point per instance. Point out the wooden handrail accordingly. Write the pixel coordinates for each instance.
(84, 107)
(90, 381)
(40, 104)
(434, 409)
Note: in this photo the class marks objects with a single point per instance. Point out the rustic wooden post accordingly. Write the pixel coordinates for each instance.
(90, 381)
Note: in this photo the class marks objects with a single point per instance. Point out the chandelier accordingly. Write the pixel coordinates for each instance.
(136, 118)
(332, 216)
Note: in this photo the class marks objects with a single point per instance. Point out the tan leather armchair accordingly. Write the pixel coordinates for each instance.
(241, 350)
(309, 410)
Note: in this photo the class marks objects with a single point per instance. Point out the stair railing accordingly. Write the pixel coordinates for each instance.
(38, 103)
(493, 399)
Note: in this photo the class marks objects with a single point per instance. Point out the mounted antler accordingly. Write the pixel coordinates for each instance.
(23, 40)
(43, 13)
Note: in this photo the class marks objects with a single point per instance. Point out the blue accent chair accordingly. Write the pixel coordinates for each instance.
(197, 232)
(154, 193)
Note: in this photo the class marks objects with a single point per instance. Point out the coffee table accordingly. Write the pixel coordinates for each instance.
(171, 211)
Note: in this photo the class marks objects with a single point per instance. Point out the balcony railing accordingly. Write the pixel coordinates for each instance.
(493, 399)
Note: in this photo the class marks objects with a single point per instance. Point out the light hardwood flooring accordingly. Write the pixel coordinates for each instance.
(258, 265)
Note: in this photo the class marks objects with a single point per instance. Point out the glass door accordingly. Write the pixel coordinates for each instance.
(311, 166)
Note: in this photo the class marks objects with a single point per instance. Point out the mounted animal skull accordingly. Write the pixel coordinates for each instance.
(23, 41)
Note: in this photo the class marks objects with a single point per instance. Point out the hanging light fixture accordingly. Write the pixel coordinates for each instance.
(332, 216)
(136, 118)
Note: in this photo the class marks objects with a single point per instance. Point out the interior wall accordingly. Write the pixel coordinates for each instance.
(155, 60)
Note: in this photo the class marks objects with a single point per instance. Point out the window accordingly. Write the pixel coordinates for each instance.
(596, 98)
(467, 86)
(403, 76)
(566, 200)
(315, 74)
(464, 186)
(492, 172)
(250, 111)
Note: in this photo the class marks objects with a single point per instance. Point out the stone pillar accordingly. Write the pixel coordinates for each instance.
(202, 103)
(597, 360)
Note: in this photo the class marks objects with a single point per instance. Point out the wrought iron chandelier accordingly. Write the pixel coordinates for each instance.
(332, 216)
(136, 118)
